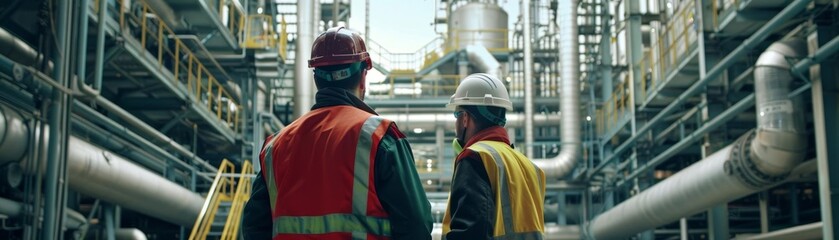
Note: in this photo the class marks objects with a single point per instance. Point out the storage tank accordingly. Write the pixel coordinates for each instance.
(478, 23)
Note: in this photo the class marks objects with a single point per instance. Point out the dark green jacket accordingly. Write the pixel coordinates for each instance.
(397, 183)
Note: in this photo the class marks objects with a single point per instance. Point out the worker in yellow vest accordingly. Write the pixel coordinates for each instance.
(497, 192)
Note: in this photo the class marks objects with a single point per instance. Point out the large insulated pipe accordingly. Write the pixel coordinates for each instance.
(569, 57)
(101, 174)
(482, 59)
(303, 78)
(528, 77)
(18, 49)
(758, 160)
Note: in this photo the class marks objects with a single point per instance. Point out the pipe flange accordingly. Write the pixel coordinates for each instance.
(740, 164)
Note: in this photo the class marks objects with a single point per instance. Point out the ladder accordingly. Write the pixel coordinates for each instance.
(220, 216)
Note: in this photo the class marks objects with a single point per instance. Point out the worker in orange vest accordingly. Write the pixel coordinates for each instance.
(339, 171)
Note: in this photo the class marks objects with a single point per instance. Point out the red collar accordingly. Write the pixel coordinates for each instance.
(496, 133)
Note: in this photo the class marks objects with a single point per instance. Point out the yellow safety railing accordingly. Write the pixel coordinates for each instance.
(440, 85)
(233, 16)
(221, 190)
(282, 43)
(259, 32)
(614, 108)
(243, 194)
(498, 37)
(173, 55)
(672, 43)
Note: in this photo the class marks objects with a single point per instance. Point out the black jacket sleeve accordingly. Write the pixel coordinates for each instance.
(256, 217)
(399, 189)
(472, 205)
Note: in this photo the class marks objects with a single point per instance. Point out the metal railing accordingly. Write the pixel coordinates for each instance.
(672, 43)
(492, 36)
(614, 108)
(173, 55)
(232, 16)
(222, 190)
(243, 194)
(411, 86)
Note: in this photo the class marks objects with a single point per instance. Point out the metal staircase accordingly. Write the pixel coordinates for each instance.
(222, 211)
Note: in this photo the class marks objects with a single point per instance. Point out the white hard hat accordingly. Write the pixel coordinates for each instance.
(481, 89)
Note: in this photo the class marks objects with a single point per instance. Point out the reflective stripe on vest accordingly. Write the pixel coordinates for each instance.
(518, 186)
(357, 223)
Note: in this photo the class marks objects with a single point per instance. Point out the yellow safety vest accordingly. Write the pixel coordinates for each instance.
(519, 190)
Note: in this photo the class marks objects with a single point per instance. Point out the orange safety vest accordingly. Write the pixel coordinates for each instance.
(319, 172)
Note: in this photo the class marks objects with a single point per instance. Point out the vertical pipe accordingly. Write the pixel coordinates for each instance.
(110, 229)
(335, 5)
(764, 211)
(825, 114)
(683, 228)
(100, 45)
(367, 20)
(528, 77)
(81, 56)
(52, 211)
(303, 98)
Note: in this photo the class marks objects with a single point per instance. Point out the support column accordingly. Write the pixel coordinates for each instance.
(528, 78)
(635, 53)
(763, 205)
(561, 219)
(826, 113)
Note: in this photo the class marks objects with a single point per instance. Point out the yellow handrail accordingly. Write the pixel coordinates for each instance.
(222, 189)
(203, 86)
(243, 193)
(675, 40)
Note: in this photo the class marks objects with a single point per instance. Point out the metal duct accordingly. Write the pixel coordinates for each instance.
(130, 234)
(104, 175)
(303, 77)
(483, 60)
(13, 209)
(563, 163)
(758, 160)
(528, 77)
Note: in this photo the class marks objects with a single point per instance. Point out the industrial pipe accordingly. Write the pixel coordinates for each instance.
(303, 76)
(563, 163)
(101, 174)
(81, 45)
(13, 136)
(483, 60)
(750, 43)
(758, 160)
(22, 52)
(130, 234)
(528, 77)
(10, 208)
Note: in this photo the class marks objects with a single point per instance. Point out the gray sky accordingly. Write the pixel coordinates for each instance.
(403, 26)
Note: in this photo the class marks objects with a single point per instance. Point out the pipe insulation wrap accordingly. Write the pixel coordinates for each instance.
(781, 142)
(563, 163)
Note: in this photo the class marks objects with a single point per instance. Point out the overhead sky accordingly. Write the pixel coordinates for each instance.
(403, 26)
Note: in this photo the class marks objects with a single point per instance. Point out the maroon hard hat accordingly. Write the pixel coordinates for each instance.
(336, 46)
